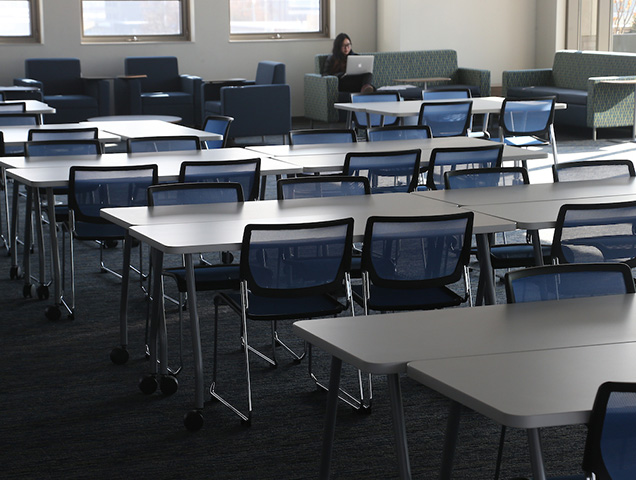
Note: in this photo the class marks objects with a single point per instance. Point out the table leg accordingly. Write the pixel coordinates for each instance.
(536, 455)
(123, 302)
(536, 243)
(399, 430)
(13, 235)
(450, 440)
(55, 252)
(157, 319)
(28, 222)
(196, 333)
(40, 237)
(330, 419)
(486, 276)
(7, 240)
(634, 126)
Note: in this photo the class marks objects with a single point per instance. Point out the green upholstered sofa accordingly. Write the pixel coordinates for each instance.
(579, 78)
(321, 91)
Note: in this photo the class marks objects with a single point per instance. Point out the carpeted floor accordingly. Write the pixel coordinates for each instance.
(67, 412)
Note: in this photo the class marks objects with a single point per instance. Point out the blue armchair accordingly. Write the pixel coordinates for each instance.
(153, 86)
(259, 107)
(60, 80)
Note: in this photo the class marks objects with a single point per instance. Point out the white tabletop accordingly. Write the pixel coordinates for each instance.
(150, 128)
(19, 134)
(33, 106)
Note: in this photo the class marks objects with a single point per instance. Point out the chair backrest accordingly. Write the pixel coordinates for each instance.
(417, 252)
(13, 107)
(322, 186)
(611, 432)
(194, 193)
(446, 119)
(526, 116)
(161, 73)
(93, 188)
(398, 132)
(246, 172)
(446, 94)
(59, 76)
(38, 135)
(486, 177)
(2, 99)
(394, 171)
(586, 233)
(163, 144)
(321, 136)
(574, 280)
(321, 257)
(269, 73)
(592, 170)
(50, 148)
(217, 124)
(360, 119)
(449, 159)
(2, 151)
(7, 119)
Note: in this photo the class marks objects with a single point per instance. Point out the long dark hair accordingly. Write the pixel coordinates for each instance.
(337, 44)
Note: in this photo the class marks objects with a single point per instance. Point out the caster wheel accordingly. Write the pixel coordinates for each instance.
(27, 290)
(135, 242)
(119, 355)
(227, 257)
(363, 410)
(53, 313)
(246, 423)
(15, 272)
(297, 361)
(43, 292)
(193, 420)
(148, 384)
(110, 243)
(168, 384)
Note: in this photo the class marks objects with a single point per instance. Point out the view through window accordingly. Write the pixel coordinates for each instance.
(18, 21)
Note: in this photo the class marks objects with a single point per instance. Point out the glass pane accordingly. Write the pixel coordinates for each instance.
(274, 16)
(15, 20)
(589, 22)
(623, 27)
(127, 18)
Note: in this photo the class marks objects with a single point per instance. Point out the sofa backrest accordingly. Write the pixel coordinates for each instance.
(572, 68)
(270, 73)
(162, 73)
(59, 76)
(389, 66)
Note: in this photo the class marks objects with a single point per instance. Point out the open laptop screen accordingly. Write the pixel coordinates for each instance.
(359, 64)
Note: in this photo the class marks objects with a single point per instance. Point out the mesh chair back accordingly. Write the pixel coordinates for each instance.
(94, 188)
(417, 252)
(217, 124)
(194, 193)
(296, 259)
(38, 135)
(7, 119)
(592, 170)
(446, 119)
(13, 107)
(321, 136)
(63, 147)
(447, 94)
(163, 144)
(555, 282)
(322, 186)
(245, 172)
(360, 119)
(485, 177)
(527, 117)
(586, 233)
(395, 171)
(398, 132)
(611, 433)
(451, 159)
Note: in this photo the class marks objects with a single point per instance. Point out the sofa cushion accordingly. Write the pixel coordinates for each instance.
(563, 95)
(166, 98)
(70, 101)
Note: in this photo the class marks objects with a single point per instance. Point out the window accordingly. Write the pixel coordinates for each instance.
(135, 20)
(278, 19)
(20, 21)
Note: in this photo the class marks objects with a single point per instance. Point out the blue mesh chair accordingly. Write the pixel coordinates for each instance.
(245, 172)
(447, 119)
(288, 272)
(93, 188)
(408, 263)
(592, 170)
(38, 135)
(398, 132)
(12, 107)
(46, 148)
(322, 186)
(446, 94)
(452, 159)
(163, 144)
(528, 122)
(374, 120)
(217, 124)
(18, 119)
(320, 136)
(395, 171)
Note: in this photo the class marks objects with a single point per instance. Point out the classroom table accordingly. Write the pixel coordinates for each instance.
(384, 344)
(19, 134)
(530, 389)
(220, 228)
(150, 128)
(51, 172)
(33, 106)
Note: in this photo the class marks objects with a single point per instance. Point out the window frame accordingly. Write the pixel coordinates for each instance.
(36, 28)
(323, 32)
(185, 36)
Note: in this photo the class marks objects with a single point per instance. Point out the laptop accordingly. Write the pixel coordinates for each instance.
(359, 64)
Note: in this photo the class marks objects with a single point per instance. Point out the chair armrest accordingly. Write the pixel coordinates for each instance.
(212, 89)
(28, 82)
(100, 90)
(526, 78)
(192, 84)
(127, 96)
(321, 92)
(610, 104)
(475, 76)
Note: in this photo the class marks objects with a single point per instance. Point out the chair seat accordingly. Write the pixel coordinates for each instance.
(390, 299)
(213, 107)
(517, 255)
(208, 277)
(70, 101)
(524, 141)
(90, 231)
(166, 98)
